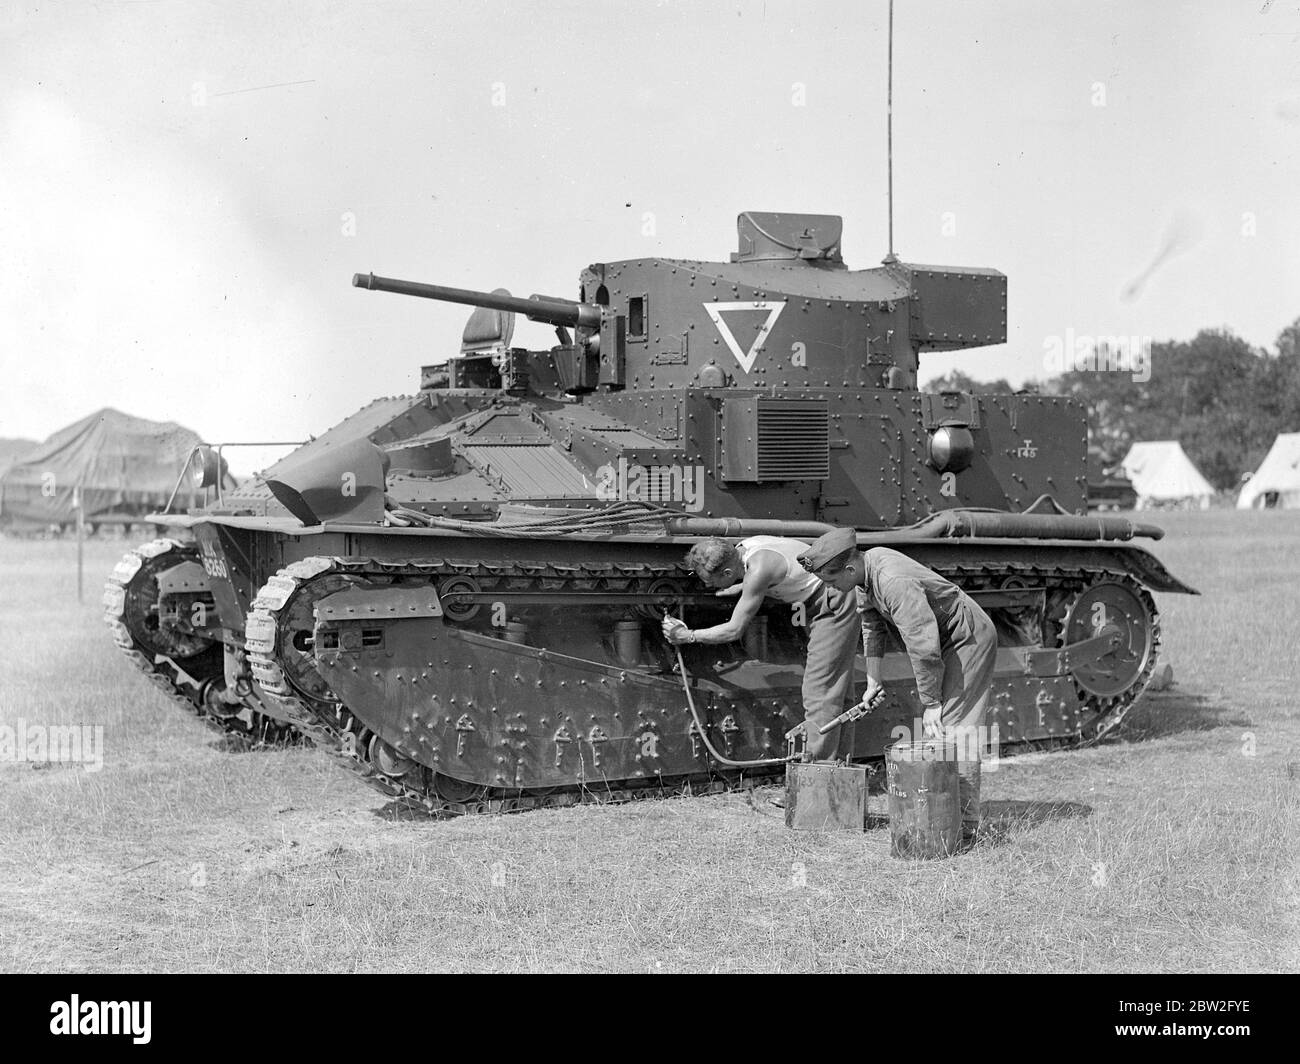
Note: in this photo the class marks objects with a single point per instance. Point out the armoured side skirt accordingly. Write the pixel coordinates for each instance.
(489, 711)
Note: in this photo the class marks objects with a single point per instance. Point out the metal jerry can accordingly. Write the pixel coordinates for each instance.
(825, 796)
(924, 799)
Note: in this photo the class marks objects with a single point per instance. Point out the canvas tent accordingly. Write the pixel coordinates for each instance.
(11, 450)
(1162, 474)
(1277, 480)
(122, 466)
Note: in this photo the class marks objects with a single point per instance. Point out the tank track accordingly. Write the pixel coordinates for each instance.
(333, 729)
(188, 691)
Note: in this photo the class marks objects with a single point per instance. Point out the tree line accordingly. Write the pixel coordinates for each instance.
(1222, 399)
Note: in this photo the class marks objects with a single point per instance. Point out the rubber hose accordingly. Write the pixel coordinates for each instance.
(690, 701)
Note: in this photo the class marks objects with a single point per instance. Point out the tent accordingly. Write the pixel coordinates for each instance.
(1277, 480)
(11, 450)
(122, 467)
(1162, 474)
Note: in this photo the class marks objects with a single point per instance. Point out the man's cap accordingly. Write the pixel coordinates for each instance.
(827, 548)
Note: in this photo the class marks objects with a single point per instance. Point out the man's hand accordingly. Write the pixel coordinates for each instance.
(874, 693)
(676, 632)
(930, 725)
(730, 592)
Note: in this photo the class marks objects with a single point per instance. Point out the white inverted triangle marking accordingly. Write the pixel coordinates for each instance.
(746, 358)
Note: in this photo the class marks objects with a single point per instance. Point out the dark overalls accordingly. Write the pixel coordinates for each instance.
(951, 642)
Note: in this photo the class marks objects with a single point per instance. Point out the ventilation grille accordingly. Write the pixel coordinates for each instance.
(771, 439)
(793, 439)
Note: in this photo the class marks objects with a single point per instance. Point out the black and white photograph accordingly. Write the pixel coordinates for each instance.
(651, 487)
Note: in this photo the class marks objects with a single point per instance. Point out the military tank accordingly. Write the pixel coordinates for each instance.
(458, 593)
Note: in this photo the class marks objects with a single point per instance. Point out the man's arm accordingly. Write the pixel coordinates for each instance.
(919, 630)
(873, 648)
(766, 569)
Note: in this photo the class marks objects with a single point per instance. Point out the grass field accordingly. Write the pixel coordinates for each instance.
(1172, 847)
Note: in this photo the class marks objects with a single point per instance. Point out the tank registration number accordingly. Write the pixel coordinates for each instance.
(214, 566)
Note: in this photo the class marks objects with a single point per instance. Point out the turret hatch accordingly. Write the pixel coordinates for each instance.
(764, 235)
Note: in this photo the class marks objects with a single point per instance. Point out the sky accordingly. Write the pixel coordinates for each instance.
(186, 187)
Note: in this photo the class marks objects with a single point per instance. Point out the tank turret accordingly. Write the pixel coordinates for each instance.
(784, 312)
(786, 381)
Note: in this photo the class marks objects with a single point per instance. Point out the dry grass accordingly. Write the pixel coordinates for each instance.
(183, 856)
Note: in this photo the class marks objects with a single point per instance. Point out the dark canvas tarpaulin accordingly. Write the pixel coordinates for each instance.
(122, 466)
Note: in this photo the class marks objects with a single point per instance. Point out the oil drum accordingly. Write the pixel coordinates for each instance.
(924, 807)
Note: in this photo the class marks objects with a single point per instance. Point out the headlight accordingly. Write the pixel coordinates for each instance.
(205, 467)
(952, 448)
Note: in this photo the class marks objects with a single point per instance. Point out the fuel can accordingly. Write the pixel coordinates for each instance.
(825, 796)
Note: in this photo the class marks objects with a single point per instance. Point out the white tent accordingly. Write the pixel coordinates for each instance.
(1162, 473)
(1277, 480)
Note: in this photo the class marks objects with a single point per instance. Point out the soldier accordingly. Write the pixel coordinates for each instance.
(767, 567)
(951, 642)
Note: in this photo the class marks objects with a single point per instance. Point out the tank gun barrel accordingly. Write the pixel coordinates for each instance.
(537, 308)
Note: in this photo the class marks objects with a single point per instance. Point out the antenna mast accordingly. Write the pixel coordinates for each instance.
(889, 134)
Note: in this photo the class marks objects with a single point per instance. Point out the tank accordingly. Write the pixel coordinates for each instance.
(458, 593)
(1108, 487)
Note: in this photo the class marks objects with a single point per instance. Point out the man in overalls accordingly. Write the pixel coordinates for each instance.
(951, 642)
(767, 567)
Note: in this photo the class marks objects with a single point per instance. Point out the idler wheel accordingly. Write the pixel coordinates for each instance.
(297, 623)
(450, 789)
(460, 612)
(140, 605)
(389, 761)
(1111, 605)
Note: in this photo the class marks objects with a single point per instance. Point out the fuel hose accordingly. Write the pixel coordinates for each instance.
(699, 724)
